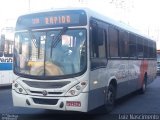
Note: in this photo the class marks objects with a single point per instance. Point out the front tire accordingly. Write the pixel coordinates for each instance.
(110, 98)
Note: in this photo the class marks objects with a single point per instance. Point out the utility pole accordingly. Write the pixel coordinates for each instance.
(29, 5)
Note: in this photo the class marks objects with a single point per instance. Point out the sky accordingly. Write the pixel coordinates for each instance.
(140, 14)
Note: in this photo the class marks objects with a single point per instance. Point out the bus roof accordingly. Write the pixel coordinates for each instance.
(99, 16)
(118, 24)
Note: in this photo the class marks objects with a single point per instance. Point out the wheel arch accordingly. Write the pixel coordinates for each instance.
(112, 81)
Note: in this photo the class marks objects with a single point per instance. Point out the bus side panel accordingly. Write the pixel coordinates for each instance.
(6, 77)
(5, 73)
(151, 70)
(137, 70)
(96, 90)
(100, 79)
(127, 74)
(133, 73)
(149, 67)
(119, 69)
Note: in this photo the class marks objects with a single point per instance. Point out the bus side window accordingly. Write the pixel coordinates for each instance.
(150, 50)
(140, 47)
(113, 42)
(98, 43)
(154, 50)
(146, 49)
(132, 45)
(101, 43)
(94, 37)
(123, 43)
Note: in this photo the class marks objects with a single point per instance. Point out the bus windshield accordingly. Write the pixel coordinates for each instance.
(50, 53)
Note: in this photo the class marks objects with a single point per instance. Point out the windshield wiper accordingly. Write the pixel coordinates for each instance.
(57, 39)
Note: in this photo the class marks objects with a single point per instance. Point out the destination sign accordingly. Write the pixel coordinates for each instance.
(53, 19)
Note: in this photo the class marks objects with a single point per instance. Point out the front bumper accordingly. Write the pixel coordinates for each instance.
(59, 103)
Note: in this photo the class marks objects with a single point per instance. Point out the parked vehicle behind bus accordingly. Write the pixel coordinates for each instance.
(6, 56)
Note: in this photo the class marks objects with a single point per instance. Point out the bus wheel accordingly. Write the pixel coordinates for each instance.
(144, 85)
(110, 98)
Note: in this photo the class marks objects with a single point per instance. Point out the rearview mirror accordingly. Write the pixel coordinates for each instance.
(100, 36)
(94, 27)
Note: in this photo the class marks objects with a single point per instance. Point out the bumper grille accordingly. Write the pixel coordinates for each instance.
(45, 101)
(52, 93)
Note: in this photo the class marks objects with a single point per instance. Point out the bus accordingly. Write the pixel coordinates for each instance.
(78, 60)
(6, 53)
(158, 62)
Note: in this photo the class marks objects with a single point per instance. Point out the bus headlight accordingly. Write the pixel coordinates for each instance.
(77, 89)
(18, 88)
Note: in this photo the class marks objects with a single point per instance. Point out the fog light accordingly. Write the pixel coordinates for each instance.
(27, 101)
(83, 83)
(61, 105)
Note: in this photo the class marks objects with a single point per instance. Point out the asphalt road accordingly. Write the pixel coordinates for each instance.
(125, 108)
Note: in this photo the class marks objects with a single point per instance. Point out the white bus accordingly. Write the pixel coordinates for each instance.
(78, 60)
(6, 59)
